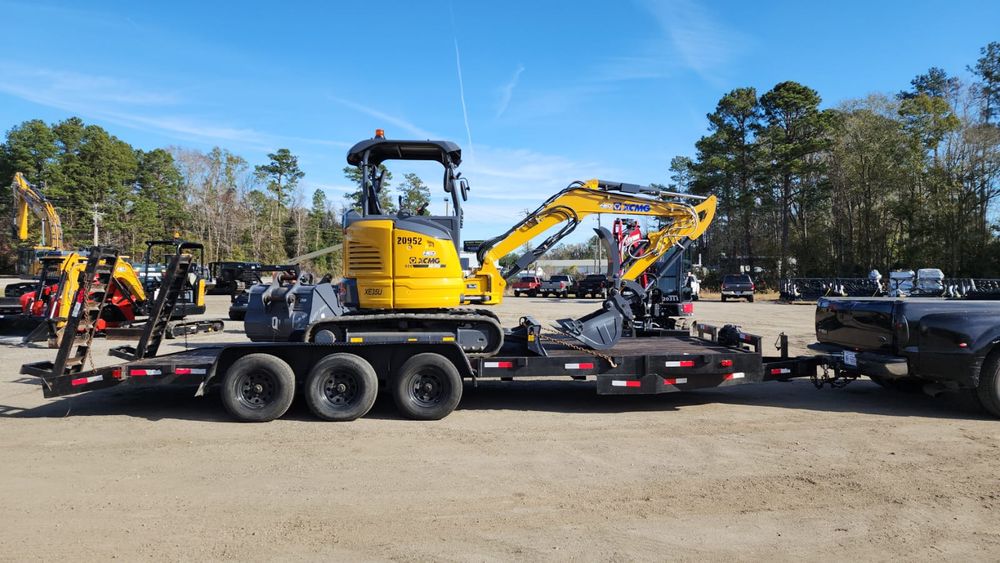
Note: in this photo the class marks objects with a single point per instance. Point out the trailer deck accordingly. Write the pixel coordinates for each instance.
(424, 371)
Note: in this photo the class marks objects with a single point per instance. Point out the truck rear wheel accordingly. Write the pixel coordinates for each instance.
(989, 384)
(258, 388)
(341, 387)
(427, 387)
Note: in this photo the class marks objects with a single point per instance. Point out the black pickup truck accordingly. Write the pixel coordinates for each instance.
(940, 344)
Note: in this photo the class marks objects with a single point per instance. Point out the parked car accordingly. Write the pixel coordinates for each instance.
(737, 286)
(527, 285)
(594, 285)
(558, 286)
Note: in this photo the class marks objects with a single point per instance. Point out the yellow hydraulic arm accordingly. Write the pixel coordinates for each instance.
(581, 199)
(27, 198)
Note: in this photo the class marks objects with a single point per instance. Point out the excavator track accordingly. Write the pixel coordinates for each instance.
(477, 331)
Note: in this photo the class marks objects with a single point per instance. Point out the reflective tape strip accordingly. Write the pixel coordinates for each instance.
(625, 383)
(86, 380)
(680, 364)
(737, 375)
(141, 372)
(448, 339)
(778, 371)
(579, 366)
(190, 371)
(357, 339)
(675, 381)
(507, 365)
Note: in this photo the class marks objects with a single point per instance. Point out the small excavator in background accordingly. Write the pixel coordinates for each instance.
(403, 279)
(125, 297)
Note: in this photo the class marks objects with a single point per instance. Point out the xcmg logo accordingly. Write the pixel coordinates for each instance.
(631, 207)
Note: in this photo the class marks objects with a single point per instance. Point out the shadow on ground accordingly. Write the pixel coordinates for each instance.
(569, 397)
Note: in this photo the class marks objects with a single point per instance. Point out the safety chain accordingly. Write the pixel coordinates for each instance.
(569, 344)
(837, 381)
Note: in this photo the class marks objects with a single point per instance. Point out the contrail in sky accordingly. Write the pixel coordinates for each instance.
(461, 83)
(461, 93)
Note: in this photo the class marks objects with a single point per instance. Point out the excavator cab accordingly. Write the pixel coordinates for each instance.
(403, 260)
(192, 297)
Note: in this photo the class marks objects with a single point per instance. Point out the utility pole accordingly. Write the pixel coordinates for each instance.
(97, 218)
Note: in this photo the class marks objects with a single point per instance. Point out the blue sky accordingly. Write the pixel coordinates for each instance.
(553, 91)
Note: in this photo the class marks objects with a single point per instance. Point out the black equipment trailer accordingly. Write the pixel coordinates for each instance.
(423, 371)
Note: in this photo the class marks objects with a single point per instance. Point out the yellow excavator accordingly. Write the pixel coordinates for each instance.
(28, 200)
(403, 277)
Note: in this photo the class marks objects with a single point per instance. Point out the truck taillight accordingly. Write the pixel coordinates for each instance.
(687, 308)
(753, 287)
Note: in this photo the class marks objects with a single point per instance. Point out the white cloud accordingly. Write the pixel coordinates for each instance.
(507, 92)
(702, 43)
(125, 103)
(390, 119)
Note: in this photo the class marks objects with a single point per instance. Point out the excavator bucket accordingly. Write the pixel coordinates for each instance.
(603, 328)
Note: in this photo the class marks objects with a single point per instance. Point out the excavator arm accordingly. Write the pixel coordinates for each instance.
(28, 199)
(679, 219)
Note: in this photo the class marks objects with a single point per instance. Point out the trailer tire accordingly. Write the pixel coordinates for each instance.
(988, 390)
(427, 387)
(237, 315)
(341, 387)
(258, 388)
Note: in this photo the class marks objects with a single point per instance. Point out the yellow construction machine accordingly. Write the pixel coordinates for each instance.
(403, 277)
(28, 200)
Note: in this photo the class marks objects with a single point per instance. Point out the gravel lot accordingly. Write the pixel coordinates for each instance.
(528, 470)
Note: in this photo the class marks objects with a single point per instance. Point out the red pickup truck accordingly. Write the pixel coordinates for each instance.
(527, 285)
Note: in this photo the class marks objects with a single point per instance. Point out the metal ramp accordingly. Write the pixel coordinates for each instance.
(93, 280)
(155, 328)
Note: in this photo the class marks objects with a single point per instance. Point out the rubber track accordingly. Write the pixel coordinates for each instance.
(459, 316)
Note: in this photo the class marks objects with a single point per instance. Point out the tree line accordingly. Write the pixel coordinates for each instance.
(238, 211)
(885, 181)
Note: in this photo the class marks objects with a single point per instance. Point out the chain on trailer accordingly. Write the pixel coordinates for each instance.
(568, 344)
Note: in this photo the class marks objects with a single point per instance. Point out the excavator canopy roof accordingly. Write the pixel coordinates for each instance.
(385, 149)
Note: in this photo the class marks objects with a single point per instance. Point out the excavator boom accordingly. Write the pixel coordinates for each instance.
(679, 219)
(28, 198)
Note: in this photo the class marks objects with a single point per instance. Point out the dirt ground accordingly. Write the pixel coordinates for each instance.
(528, 470)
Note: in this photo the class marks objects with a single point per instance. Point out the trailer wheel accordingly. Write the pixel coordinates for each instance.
(427, 387)
(989, 384)
(258, 388)
(341, 387)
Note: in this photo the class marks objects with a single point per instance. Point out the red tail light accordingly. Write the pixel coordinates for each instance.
(753, 287)
(687, 308)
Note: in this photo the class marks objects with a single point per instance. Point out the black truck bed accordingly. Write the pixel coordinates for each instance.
(885, 324)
